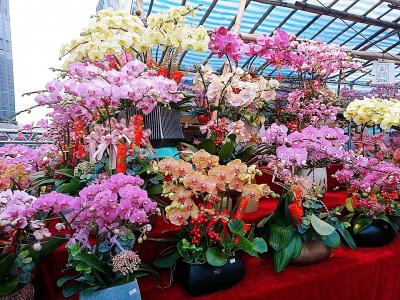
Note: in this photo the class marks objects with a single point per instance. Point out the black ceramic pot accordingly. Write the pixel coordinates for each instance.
(199, 279)
(377, 234)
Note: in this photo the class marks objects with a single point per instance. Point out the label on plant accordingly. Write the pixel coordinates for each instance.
(132, 291)
(232, 260)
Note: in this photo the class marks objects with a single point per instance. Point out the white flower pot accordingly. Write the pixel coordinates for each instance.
(317, 177)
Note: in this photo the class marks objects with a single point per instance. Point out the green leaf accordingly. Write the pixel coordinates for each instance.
(215, 257)
(82, 267)
(347, 236)
(6, 262)
(65, 172)
(283, 257)
(320, 226)
(155, 189)
(247, 246)
(297, 245)
(8, 286)
(93, 262)
(73, 289)
(61, 281)
(260, 245)
(209, 146)
(50, 245)
(45, 181)
(279, 237)
(332, 240)
(70, 188)
(282, 216)
(360, 224)
(264, 221)
(349, 204)
(191, 147)
(167, 261)
(226, 151)
(236, 226)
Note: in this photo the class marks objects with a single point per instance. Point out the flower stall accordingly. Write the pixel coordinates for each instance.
(288, 190)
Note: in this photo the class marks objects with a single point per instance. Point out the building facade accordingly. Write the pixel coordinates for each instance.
(7, 97)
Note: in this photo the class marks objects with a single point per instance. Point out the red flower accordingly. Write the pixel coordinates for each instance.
(296, 211)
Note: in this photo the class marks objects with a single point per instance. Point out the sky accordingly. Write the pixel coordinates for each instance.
(38, 29)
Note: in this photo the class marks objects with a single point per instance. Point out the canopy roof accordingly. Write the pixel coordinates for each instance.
(363, 25)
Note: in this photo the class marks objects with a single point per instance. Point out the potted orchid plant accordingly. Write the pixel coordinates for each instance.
(305, 153)
(210, 231)
(25, 238)
(105, 220)
(373, 204)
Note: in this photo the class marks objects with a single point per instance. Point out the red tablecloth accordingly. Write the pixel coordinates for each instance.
(364, 274)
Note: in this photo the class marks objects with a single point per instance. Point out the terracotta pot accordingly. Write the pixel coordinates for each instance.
(26, 293)
(312, 252)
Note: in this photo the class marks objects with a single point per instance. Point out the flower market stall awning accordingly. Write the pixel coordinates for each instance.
(369, 28)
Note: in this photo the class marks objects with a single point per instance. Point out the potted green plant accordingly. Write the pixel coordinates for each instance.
(302, 231)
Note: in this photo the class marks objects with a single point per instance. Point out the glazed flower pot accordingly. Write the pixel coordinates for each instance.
(198, 279)
(377, 234)
(312, 252)
(126, 291)
(318, 177)
(26, 293)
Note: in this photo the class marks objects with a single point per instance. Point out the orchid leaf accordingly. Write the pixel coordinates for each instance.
(321, 227)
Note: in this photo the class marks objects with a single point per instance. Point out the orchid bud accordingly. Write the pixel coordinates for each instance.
(37, 246)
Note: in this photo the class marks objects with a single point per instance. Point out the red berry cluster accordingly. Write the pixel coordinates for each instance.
(214, 236)
(195, 231)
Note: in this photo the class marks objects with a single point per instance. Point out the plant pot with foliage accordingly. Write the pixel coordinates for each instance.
(25, 238)
(302, 231)
(206, 251)
(101, 259)
(372, 217)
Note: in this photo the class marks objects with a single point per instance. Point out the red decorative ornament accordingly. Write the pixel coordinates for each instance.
(177, 76)
(240, 208)
(163, 72)
(203, 119)
(121, 158)
(138, 129)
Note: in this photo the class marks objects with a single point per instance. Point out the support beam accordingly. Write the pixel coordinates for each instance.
(393, 4)
(319, 10)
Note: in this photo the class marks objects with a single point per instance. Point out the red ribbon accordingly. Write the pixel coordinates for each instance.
(240, 209)
(138, 129)
(121, 158)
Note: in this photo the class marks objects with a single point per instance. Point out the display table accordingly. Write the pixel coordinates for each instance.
(363, 274)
